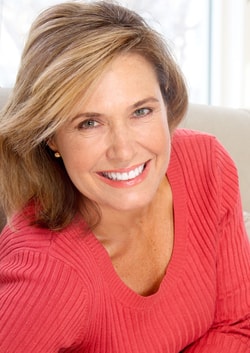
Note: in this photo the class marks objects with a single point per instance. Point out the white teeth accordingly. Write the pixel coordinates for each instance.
(125, 176)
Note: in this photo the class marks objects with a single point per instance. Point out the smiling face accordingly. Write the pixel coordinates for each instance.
(116, 149)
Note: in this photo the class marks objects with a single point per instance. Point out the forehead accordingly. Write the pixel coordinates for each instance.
(132, 64)
(126, 75)
(125, 80)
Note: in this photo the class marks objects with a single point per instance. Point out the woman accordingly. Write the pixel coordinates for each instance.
(124, 233)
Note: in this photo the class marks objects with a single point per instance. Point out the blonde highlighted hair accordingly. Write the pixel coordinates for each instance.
(68, 47)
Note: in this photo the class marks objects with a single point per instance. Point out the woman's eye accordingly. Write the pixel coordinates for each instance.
(88, 124)
(142, 112)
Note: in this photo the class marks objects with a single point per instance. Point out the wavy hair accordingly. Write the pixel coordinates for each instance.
(68, 47)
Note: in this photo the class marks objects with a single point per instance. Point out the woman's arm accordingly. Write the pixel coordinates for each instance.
(41, 304)
(230, 332)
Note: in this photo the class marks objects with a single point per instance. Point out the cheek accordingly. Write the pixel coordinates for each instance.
(78, 161)
(162, 140)
(160, 136)
(79, 170)
(81, 159)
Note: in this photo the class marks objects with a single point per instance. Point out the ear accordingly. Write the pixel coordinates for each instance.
(52, 144)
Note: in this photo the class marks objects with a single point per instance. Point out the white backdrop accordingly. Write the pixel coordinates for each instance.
(183, 23)
(209, 38)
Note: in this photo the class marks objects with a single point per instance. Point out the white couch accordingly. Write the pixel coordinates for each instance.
(230, 126)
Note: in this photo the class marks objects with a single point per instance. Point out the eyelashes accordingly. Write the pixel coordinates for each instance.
(93, 123)
(88, 124)
(142, 112)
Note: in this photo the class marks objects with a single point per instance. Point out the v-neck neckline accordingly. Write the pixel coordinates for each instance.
(116, 285)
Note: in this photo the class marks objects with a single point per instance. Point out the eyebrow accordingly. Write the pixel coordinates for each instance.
(133, 106)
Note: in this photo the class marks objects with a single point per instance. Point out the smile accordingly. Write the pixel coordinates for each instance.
(125, 175)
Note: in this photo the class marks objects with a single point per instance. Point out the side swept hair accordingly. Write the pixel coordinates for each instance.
(68, 47)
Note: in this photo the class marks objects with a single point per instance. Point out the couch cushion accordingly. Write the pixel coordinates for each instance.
(247, 222)
(232, 128)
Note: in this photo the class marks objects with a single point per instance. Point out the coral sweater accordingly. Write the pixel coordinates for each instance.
(60, 293)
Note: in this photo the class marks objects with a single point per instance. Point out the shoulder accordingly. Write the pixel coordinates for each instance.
(69, 247)
(194, 151)
(32, 272)
(201, 148)
(182, 138)
(205, 164)
(22, 235)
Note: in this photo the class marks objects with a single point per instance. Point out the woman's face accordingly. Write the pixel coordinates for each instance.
(116, 148)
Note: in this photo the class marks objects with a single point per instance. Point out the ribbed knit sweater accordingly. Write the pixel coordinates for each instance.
(60, 293)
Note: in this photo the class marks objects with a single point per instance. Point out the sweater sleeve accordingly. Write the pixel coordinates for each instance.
(230, 331)
(42, 304)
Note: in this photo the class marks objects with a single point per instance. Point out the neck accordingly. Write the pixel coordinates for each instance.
(124, 227)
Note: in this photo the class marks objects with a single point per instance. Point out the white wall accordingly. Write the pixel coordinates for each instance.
(185, 25)
(230, 53)
(246, 97)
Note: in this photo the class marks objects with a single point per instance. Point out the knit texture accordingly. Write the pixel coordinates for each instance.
(60, 293)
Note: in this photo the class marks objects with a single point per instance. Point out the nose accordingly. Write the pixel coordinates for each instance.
(121, 145)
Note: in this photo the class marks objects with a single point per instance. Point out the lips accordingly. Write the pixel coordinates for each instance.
(124, 176)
